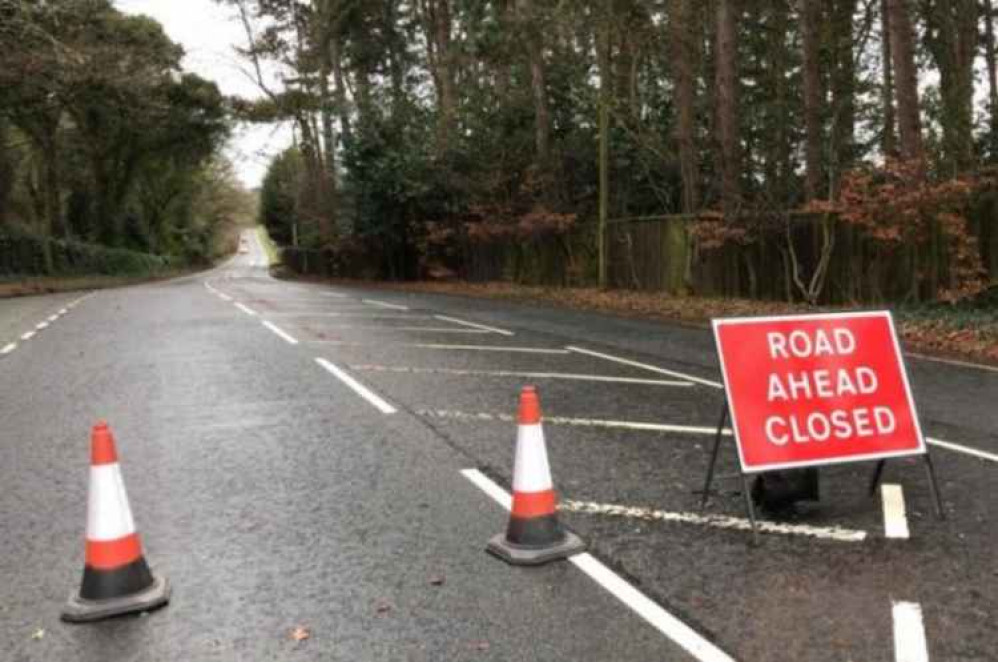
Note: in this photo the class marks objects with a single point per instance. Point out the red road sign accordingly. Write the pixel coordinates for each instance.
(807, 390)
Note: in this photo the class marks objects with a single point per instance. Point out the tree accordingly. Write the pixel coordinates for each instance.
(726, 86)
(905, 80)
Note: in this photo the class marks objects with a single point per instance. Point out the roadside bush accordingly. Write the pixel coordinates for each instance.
(25, 255)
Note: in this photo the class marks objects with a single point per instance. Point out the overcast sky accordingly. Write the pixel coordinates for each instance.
(209, 32)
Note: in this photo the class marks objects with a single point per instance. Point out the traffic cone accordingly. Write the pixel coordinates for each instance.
(116, 578)
(534, 535)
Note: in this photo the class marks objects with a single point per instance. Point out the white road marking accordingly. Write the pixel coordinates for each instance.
(580, 422)
(63, 311)
(357, 387)
(42, 325)
(367, 316)
(245, 309)
(392, 306)
(714, 521)
(8, 348)
(276, 329)
(427, 329)
(895, 520)
(909, 633)
(967, 450)
(962, 364)
(491, 329)
(528, 375)
(224, 297)
(470, 348)
(645, 366)
(336, 295)
(637, 601)
(28, 336)
(53, 318)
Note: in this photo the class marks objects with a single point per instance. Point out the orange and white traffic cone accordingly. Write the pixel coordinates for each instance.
(116, 578)
(534, 535)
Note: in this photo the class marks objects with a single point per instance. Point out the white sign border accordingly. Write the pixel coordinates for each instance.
(730, 321)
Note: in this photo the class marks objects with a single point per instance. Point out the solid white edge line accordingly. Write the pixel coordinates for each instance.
(280, 332)
(28, 336)
(645, 366)
(357, 387)
(392, 306)
(909, 633)
(962, 364)
(652, 613)
(245, 309)
(8, 348)
(63, 311)
(224, 297)
(958, 448)
(503, 332)
(895, 520)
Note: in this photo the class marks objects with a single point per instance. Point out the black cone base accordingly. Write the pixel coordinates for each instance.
(515, 554)
(83, 610)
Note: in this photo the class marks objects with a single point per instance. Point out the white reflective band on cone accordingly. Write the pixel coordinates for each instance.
(531, 472)
(108, 514)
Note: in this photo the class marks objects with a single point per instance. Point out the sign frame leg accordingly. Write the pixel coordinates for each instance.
(713, 457)
(934, 486)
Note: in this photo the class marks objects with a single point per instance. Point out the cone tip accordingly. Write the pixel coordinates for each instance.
(530, 406)
(102, 449)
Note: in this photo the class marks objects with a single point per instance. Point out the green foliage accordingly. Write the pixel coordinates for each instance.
(279, 195)
(114, 143)
(26, 255)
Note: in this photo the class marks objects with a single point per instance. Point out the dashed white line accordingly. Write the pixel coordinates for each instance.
(959, 448)
(527, 375)
(280, 332)
(224, 297)
(245, 309)
(63, 311)
(652, 613)
(357, 387)
(8, 348)
(579, 422)
(28, 336)
(909, 633)
(962, 364)
(382, 304)
(42, 325)
(895, 519)
(645, 366)
(715, 521)
(52, 318)
(490, 329)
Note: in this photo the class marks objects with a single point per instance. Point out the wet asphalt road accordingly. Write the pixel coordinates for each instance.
(273, 496)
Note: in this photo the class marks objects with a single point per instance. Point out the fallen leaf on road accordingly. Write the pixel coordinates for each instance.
(38, 634)
(383, 607)
(480, 646)
(299, 633)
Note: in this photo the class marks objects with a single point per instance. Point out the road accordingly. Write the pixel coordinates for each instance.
(306, 456)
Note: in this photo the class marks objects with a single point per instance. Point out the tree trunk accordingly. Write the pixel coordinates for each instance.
(992, 67)
(813, 97)
(906, 80)
(684, 46)
(843, 92)
(889, 138)
(538, 85)
(437, 23)
(951, 37)
(726, 94)
(777, 146)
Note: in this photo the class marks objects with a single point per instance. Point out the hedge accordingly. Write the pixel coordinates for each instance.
(24, 255)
